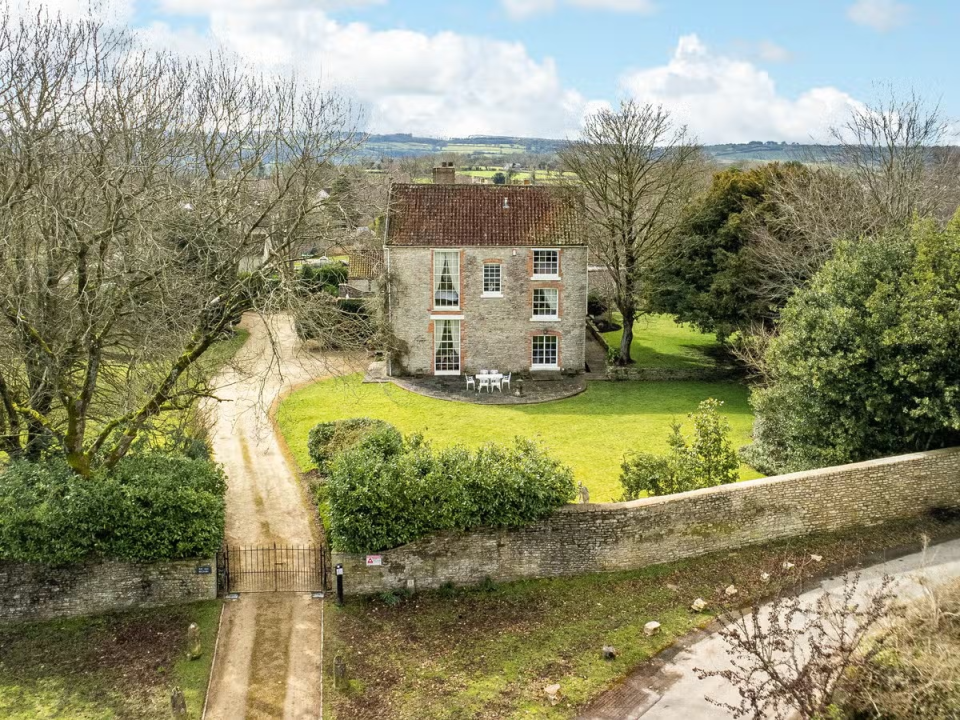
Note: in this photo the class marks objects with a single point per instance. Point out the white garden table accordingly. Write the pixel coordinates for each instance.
(490, 379)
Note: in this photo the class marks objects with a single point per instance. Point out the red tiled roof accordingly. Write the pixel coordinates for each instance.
(468, 215)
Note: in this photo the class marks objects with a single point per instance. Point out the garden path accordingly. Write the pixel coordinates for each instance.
(268, 659)
(667, 688)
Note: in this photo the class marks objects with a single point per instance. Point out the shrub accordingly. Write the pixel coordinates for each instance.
(150, 507)
(381, 498)
(707, 460)
(597, 305)
(329, 438)
(323, 278)
(865, 361)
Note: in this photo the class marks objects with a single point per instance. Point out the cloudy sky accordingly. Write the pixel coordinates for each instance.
(733, 70)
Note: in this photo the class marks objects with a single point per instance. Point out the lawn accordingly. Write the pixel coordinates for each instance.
(660, 342)
(488, 652)
(589, 432)
(111, 666)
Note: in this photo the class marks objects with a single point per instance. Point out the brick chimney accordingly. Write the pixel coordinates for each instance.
(446, 174)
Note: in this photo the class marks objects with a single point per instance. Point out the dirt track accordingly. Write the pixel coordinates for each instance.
(268, 660)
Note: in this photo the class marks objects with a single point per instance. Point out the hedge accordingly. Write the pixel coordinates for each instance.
(148, 508)
(327, 439)
(382, 496)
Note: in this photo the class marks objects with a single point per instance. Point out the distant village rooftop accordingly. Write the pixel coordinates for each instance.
(454, 215)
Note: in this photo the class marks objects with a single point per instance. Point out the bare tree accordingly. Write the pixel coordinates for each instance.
(635, 173)
(891, 164)
(133, 187)
(788, 658)
(896, 148)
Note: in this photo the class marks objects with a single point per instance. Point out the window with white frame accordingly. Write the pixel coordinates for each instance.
(492, 279)
(546, 263)
(446, 279)
(546, 303)
(546, 352)
(446, 347)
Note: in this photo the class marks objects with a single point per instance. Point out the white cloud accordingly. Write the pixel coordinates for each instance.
(881, 15)
(441, 84)
(769, 51)
(522, 9)
(722, 99)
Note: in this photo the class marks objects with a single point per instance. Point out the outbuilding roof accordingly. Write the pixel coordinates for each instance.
(477, 215)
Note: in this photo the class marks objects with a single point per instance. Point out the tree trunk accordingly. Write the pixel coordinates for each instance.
(629, 314)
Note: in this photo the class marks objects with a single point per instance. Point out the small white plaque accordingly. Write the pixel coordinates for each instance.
(374, 560)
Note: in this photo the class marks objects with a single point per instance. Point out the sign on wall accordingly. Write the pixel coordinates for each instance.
(374, 560)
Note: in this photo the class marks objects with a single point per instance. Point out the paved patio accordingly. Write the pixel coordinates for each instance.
(534, 390)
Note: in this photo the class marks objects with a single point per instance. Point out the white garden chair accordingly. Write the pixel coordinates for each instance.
(484, 383)
(495, 383)
(471, 382)
(506, 381)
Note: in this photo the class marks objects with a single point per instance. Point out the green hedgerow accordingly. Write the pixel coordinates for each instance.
(326, 439)
(381, 498)
(149, 507)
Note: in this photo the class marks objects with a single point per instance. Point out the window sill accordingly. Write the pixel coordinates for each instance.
(545, 277)
(535, 368)
(451, 310)
(545, 318)
(446, 372)
(446, 317)
(491, 295)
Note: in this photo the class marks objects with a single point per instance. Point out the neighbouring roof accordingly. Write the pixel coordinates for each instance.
(364, 266)
(470, 215)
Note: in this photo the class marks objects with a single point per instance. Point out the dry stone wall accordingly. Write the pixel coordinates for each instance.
(31, 591)
(624, 536)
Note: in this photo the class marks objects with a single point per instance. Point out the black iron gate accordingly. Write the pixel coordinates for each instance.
(272, 568)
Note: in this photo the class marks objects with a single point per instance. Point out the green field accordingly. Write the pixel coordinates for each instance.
(659, 342)
(112, 666)
(589, 432)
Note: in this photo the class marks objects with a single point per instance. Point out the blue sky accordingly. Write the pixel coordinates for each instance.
(733, 70)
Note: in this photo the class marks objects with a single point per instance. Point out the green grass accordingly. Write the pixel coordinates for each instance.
(659, 342)
(589, 432)
(112, 666)
(488, 652)
(222, 352)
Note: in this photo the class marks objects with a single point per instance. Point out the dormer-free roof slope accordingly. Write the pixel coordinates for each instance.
(478, 215)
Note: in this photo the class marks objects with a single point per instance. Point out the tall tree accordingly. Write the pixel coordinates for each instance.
(635, 173)
(133, 187)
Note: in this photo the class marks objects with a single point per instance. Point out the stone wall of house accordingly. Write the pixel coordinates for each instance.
(624, 536)
(31, 591)
(495, 331)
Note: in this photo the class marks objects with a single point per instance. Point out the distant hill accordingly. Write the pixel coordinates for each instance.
(406, 145)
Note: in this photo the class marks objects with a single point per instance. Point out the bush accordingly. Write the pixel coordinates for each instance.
(150, 507)
(597, 305)
(323, 278)
(381, 498)
(865, 361)
(327, 439)
(707, 460)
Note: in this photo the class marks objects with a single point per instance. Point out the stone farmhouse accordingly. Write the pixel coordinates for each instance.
(484, 277)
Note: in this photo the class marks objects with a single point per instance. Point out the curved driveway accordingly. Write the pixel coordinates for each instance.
(268, 659)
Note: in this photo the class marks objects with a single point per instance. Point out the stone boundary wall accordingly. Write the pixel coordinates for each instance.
(30, 591)
(624, 536)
